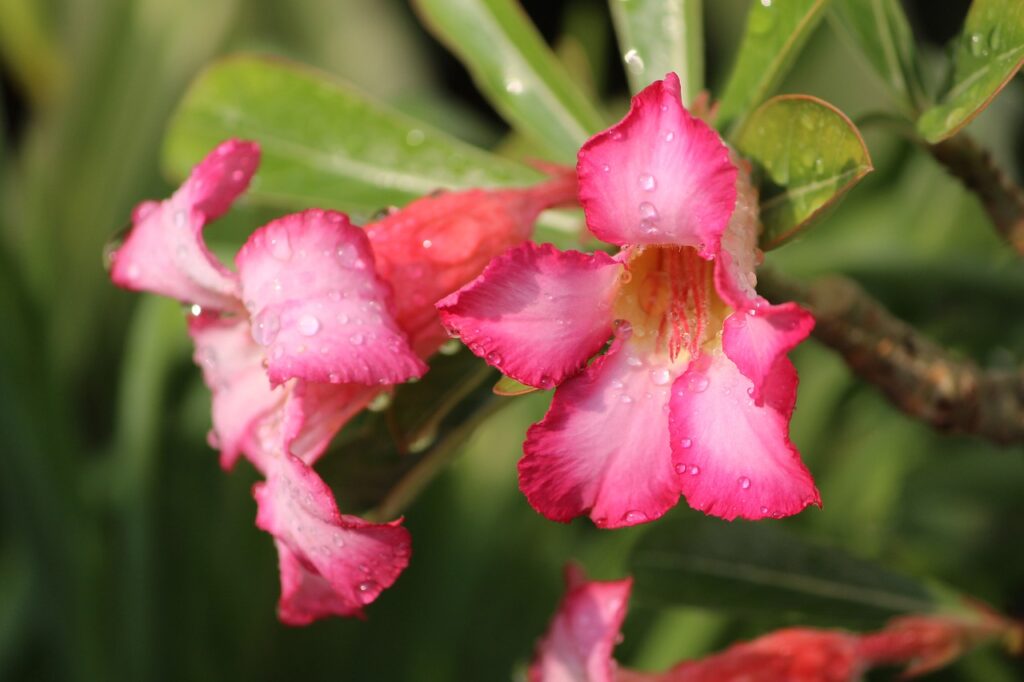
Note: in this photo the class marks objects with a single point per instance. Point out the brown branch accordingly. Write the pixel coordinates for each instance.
(1002, 198)
(918, 375)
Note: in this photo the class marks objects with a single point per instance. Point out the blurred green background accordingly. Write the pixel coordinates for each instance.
(126, 553)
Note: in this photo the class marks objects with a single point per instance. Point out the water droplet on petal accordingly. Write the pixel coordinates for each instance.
(494, 358)
(648, 211)
(309, 325)
(685, 443)
(680, 468)
(180, 219)
(696, 382)
(669, 136)
(367, 591)
(764, 510)
(694, 470)
(647, 182)
(606, 168)
(625, 399)
(634, 516)
(634, 361)
(660, 376)
(265, 327)
(744, 482)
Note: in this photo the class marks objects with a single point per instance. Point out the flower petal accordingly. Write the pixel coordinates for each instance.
(733, 457)
(315, 412)
(242, 396)
(318, 306)
(441, 242)
(660, 176)
(536, 313)
(755, 340)
(603, 446)
(334, 564)
(165, 253)
(579, 642)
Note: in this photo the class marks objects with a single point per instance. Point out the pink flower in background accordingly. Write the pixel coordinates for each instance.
(695, 394)
(306, 334)
(583, 632)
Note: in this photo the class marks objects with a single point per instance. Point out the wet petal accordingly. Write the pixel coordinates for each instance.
(579, 642)
(333, 564)
(165, 253)
(755, 340)
(315, 413)
(317, 305)
(733, 457)
(660, 176)
(536, 313)
(441, 242)
(603, 446)
(242, 396)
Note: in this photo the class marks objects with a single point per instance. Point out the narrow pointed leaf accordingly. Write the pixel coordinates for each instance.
(775, 32)
(323, 143)
(806, 155)
(658, 36)
(880, 31)
(989, 51)
(515, 70)
(743, 567)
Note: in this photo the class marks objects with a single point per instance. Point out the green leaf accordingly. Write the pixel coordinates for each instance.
(323, 143)
(744, 567)
(515, 70)
(658, 36)
(773, 37)
(989, 51)
(880, 30)
(806, 155)
(509, 387)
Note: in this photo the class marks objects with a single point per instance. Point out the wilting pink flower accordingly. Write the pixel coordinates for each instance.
(695, 394)
(578, 645)
(305, 335)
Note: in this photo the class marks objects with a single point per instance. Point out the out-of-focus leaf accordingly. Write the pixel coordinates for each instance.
(658, 36)
(880, 30)
(806, 154)
(989, 51)
(387, 457)
(515, 70)
(775, 32)
(741, 567)
(29, 49)
(322, 142)
(509, 387)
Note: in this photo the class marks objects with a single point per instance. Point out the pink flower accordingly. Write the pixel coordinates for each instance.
(579, 642)
(695, 394)
(305, 334)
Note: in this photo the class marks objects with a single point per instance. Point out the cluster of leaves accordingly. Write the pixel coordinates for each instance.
(87, 520)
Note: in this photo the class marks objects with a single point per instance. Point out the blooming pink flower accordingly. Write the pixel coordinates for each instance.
(579, 642)
(695, 394)
(303, 337)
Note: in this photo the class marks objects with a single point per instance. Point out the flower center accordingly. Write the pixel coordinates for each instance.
(669, 300)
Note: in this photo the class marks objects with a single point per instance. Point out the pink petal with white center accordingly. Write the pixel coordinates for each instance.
(315, 413)
(242, 396)
(334, 564)
(536, 313)
(165, 253)
(579, 642)
(734, 457)
(317, 305)
(603, 446)
(755, 340)
(659, 176)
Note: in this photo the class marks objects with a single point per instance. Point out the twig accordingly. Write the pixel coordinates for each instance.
(918, 375)
(1002, 198)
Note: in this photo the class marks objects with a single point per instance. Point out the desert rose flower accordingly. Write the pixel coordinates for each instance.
(695, 393)
(304, 335)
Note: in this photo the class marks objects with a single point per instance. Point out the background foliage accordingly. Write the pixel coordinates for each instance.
(126, 553)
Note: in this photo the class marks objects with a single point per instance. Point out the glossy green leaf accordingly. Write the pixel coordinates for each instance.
(880, 30)
(691, 560)
(323, 143)
(509, 387)
(515, 70)
(989, 51)
(658, 36)
(806, 154)
(775, 32)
